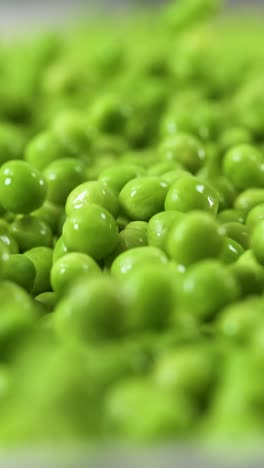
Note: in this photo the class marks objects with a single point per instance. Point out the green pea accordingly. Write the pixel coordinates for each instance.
(230, 216)
(249, 199)
(117, 176)
(92, 192)
(67, 268)
(256, 241)
(122, 221)
(92, 311)
(238, 232)
(71, 131)
(172, 176)
(41, 257)
(91, 230)
(22, 188)
(185, 149)
(242, 166)
(139, 226)
(21, 270)
(136, 410)
(189, 193)
(254, 216)
(4, 258)
(130, 260)
(149, 294)
(11, 142)
(51, 214)
(196, 237)
(187, 370)
(249, 274)
(159, 227)
(163, 167)
(62, 177)
(29, 231)
(225, 191)
(60, 249)
(48, 300)
(143, 197)
(42, 150)
(10, 242)
(109, 114)
(234, 136)
(231, 252)
(207, 288)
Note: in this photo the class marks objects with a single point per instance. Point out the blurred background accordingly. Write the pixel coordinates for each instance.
(17, 15)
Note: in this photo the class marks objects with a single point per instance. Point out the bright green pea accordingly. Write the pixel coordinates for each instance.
(41, 257)
(60, 249)
(130, 260)
(136, 410)
(48, 300)
(51, 214)
(138, 225)
(117, 176)
(22, 188)
(207, 288)
(196, 237)
(4, 258)
(256, 241)
(109, 114)
(150, 297)
(230, 216)
(238, 232)
(10, 242)
(225, 191)
(249, 273)
(231, 252)
(66, 269)
(11, 143)
(234, 136)
(249, 199)
(242, 166)
(255, 216)
(159, 227)
(30, 231)
(189, 193)
(91, 230)
(21, 270)
(93, 310)
(42, 150)
(71, 131)
(143, 197)
(184, 149)
(62, 177)
(172, 176)
(94, 192)
(163, 167)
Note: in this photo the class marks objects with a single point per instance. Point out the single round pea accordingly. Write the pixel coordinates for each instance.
(51, 214)
(207, 288)
(62, 177)
(59, 250)
(189, 193)
(256, 241)
(234, 136)
(230, 216)
(93, 310)
(41, 257)
(117, 176)
(48, 300)
(131, 259)
(66, 269)
(21, 270)
(10, 242)
(143, 197)
(238, 232)
(249, 199)
(109, 114)
(150, 298)
(72, 133)
(242, 166)
(43, 149)
(22, 188)
(172, 176)
(29, 231)
(249, 273)
(92, 192)
(138, 225)
(159, 227)
(255, 216)
(231, 251)
(185, 149)
(91, 230)
(196, 237)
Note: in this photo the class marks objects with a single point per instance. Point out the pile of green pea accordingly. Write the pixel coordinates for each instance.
(132, 231)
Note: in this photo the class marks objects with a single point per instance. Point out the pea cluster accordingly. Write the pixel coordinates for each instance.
(132, 231)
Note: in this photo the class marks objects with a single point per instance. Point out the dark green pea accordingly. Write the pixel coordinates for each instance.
(238, 232)
(130, 260)
(189, 193)
(207, 288)
(159, 227)
(184, 149)
(30, 231)
(41, 257)
(249, 199)
(231, 216)
(117, 176)
(20, 270)
(42, 150)
(22, 188)
(196, 237)
(254, 216)
(231, 252)
(62, 177)
(143, 197)
(242, 166)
